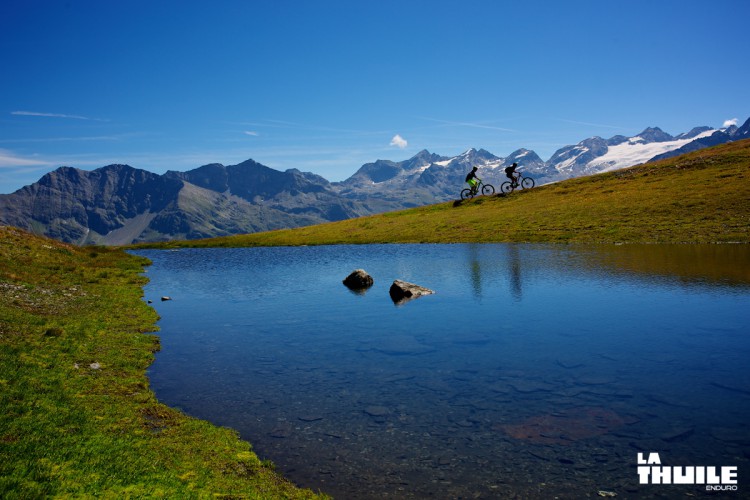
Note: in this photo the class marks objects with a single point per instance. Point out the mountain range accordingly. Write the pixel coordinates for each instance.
(119, 204)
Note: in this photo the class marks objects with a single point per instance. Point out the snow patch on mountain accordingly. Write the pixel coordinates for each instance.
(636, 150)
(570, 162)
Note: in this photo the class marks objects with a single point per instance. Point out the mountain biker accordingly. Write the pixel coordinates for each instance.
(471, 180)
(510, 172)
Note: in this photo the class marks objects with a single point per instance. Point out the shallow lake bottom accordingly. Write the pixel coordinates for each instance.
(534, 371)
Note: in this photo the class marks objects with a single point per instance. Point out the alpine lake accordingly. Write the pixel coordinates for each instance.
(534, 371)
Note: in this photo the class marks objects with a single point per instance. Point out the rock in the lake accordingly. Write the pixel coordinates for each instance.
(165, 298)
(377, 411)
(358, 280)
(402, 291)
(310, 417)
(280, 432)
(677, 434)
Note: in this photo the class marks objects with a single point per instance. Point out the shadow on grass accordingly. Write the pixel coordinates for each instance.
(478, 199)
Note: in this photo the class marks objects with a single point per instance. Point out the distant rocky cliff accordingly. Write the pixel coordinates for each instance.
(119, 204)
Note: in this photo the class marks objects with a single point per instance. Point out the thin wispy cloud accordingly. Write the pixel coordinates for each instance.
(66, 139)
(11, 159)
(399, 142)
(54, 115)
(589, 124)
(482, 125)
(251, 133)
(260, 124)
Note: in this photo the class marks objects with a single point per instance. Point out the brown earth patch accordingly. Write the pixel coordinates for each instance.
(566, 426)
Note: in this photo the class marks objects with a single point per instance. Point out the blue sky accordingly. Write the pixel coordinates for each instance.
(326, 86)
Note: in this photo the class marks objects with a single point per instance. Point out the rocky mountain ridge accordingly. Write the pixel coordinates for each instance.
(119, 204)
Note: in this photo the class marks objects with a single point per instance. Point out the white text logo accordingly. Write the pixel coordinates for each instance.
(650, 471)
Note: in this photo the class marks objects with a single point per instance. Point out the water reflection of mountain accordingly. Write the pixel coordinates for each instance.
(689, 264)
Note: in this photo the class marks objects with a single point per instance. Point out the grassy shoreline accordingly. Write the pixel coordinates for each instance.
(78, 416)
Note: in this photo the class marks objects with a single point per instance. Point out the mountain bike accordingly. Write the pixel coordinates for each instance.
(507, 187)
(487, 189)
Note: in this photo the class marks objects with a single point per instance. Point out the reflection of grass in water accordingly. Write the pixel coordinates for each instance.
(727, 264)
(78, 418)
(699, 197)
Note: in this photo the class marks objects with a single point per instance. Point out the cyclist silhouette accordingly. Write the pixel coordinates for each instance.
(510, 172)
(471, 179)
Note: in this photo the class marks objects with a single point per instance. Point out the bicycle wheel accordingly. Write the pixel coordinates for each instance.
(527, 183)
(466, 194)
(506, 187)
(488, 189)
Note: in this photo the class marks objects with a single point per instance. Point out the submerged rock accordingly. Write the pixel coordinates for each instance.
(310, 418)
(401, 291)
(377, 411)
(677, 434)
(358, 280)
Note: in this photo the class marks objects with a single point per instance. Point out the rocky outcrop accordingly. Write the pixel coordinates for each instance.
(359, 280)
(402, 291)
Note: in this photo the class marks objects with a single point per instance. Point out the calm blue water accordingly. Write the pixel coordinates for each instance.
(533, 371)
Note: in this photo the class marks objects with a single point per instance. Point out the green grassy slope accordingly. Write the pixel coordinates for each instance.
(699, 197)
(78, 418)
